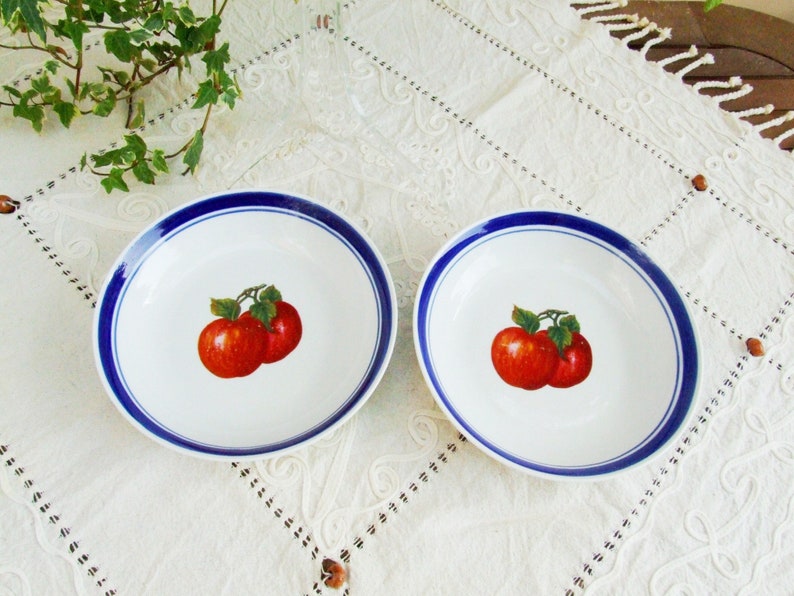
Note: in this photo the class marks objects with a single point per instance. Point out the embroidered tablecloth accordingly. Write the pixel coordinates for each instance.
(444, 113)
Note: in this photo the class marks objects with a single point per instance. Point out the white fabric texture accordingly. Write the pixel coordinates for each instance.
(451, 112)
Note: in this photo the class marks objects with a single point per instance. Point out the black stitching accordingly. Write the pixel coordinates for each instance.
(299, 533)
(80, 556)
(703, 418)
(403, 497)
(557, 84)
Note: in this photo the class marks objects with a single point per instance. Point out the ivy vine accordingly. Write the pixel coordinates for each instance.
(143, 41)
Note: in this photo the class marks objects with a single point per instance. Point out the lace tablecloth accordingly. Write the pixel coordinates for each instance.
(453, 111)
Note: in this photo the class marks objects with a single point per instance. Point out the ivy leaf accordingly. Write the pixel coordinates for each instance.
(206, 94)
(230, 89)
(148, 64)
(104, 107)
(711, 4)
(170, 14)
(143, 172)
(114, 179)
(92, 10)
(30, 13)
(193, 153)
(139, 36)
(41, 84)
(126, 156)
(13, 91)
(72, 29)
(154, 23)
(195, 38)
(7, 9)
(158, 160)
(95, 90)
(118, 76)
(66, 112)
(186, 15)
(139, 114)
(52, 66)
(228, 308)
(113, 10)
(101, 160)
(217, 59)
(118, 43)
(208, 29)
(34, 20)
(230, 96)
(526, 319)
(35, 114)
(51, 95)
(135, 144)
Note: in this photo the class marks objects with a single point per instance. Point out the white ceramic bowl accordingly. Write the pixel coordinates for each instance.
(645, 356)
(156, 299)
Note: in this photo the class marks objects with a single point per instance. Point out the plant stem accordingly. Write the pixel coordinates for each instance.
(139, 66)
(54, 54)
(124, 169)
(163, 69)
(25, 47)
(136, 71)
(185, 147)
(206, 119)
(79, 62)
(108, 27)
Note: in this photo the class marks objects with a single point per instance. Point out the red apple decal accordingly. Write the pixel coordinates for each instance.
(527, 357)
(237, 343)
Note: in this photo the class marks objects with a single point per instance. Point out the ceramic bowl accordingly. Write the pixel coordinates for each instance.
(643, 373)
(156, 303)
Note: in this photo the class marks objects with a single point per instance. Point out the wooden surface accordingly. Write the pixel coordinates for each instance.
(754, 46)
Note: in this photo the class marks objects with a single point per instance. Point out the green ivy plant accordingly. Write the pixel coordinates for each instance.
(711, 4)
(143, 40)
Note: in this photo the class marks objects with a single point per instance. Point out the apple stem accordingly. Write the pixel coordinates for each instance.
(553, 314)
(560, 331)
(263, 298)
(249, 293)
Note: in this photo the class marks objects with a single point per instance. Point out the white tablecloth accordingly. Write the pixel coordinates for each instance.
(453, 111)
